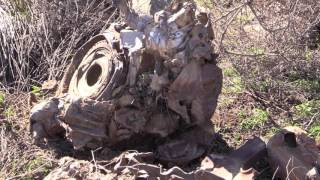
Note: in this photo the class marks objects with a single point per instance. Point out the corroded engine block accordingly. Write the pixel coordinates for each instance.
(153, 77)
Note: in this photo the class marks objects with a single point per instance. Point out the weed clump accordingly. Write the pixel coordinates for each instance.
(256, 119)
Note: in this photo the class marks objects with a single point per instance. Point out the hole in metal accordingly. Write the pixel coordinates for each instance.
(93, 74)
(290, 139)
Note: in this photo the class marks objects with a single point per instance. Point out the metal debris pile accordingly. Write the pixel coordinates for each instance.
(150, 83)
(126, 87)
(291, 154)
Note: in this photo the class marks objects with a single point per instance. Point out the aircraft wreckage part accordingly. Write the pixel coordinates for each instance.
(44, 121)
(193, 95)
(238, 164)
(134, 165)
(126, 87)
(186, 147)
(70, 168)
(129, 165)
(294, 155)
(86, 122)
(95, 71)
(140, 165)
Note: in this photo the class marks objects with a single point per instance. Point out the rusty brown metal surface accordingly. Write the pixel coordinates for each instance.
(129, 165)
(294, 155)
(129, 85)
(135, 165)
(238, 164)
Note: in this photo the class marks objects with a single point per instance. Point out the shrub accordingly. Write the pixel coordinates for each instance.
(39, 37)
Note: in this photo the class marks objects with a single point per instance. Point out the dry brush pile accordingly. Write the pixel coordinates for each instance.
(37, 40)
(38, 37)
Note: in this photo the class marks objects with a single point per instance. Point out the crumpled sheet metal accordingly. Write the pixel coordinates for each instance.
(294, 155)
(135, 165)
(86, 120)
(238, 164)
(185, 147)
(140, 165)
(70, 168)
(184, 43)
(125, 86)
(168, 32)
(129, 165)
(44, 121)
(197, 104)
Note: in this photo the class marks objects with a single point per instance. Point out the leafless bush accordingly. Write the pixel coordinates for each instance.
(37, 38)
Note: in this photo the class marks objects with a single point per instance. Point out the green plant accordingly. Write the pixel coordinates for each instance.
(2, 98)
(306, 109)
(261, 85)
(257, 50)
(257, 119)
(234, 83)
(238, 137)
(19, 8)
(34, 164)
(308, 85)
(36, 90)
(242, 114)
(244, 18)
(230, 72)
(308, 54)
(9, 112)
(315, 131)
(272, 131)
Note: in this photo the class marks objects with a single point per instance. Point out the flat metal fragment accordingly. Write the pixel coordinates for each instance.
(237, 165)
(293, 154)
(131, 40)
(44, 120)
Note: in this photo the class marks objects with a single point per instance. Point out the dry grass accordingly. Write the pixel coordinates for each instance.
(19, 157)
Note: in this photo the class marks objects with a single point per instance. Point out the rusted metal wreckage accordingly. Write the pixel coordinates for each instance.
(150, 82)
(154, 80)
